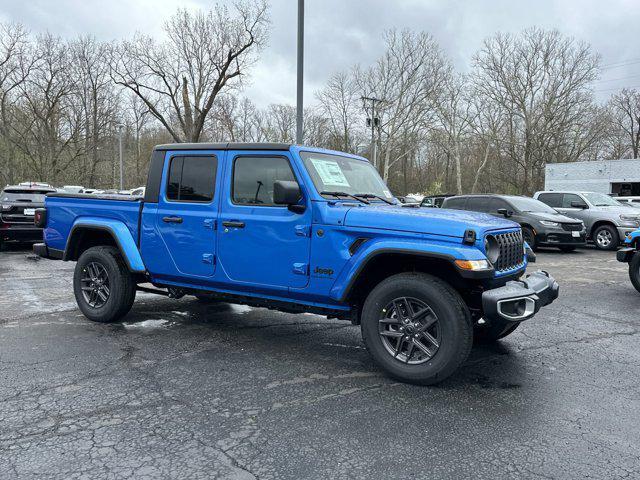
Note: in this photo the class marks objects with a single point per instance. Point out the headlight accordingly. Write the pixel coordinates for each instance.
(6, 207)
(492, 249)
(547, 223)
(630, 220)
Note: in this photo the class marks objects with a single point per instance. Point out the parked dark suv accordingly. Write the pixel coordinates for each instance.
(542, 226)
(17, 209)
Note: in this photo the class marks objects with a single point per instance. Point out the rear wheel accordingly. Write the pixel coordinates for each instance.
(606, 237)
(417, 328)
(634, 270)
(103, 285)
(490, 333)
(530, 238)
(567, 248)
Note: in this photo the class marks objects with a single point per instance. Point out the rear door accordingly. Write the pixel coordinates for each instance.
(187, 214)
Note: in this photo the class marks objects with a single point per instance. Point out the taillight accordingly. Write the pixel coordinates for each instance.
(40, 217)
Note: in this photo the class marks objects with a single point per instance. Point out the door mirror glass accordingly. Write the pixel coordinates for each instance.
(505, 212)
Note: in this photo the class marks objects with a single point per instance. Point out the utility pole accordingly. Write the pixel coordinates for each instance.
(120, 130)
(299, 99)
(373, 122)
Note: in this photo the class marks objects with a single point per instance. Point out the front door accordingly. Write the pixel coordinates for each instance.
(262, 243)
(187, 214)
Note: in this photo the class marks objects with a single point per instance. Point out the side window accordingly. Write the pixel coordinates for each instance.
(479, 204)
(552, 199)
(192, 179)
(497, 203)
(253, 179)
(456, 203)
(570, 197)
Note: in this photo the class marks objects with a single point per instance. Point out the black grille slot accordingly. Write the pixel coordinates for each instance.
(572, 227)
(511, 250)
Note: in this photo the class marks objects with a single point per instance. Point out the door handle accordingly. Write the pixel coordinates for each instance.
(233, 224)
(172, 219)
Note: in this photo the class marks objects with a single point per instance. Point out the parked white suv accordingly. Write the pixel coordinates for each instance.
(607, 221)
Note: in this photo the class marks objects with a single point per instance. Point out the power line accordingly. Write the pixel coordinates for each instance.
(618, 79)
(625, 63)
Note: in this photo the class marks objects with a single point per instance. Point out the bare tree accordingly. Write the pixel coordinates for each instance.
(407, 78)
(340, 104)
(180, 79)
(540, 80)
(625, 112)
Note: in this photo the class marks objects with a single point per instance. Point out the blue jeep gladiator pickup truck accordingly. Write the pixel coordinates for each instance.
(301, 230)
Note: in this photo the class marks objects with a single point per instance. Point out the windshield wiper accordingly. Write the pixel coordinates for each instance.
(372, 195)
(345, 194)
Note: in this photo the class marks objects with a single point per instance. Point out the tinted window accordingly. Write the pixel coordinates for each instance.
(192, 179)
(18, 195)
(479, 204)
(253, 179)
(570, 197)
(551, 199)
(457, 203)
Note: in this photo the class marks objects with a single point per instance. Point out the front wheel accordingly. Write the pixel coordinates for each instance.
(417, 328)
(103, 285)
(606, 238)
(634, 271)
(530, 238)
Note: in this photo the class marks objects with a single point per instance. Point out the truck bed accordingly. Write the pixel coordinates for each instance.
(68, 208)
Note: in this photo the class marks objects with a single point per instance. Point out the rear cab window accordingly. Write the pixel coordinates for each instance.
(192, 178)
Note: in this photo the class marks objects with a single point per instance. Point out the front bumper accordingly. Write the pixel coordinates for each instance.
(519, 300)
(561, 238)
(625, 254)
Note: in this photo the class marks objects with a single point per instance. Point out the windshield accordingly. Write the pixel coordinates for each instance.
(15, 195)
(333, 173)
(601, 200)
(525, 204)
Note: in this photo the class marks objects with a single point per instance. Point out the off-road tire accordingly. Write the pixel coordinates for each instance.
(530, 238)
(491, 333)
(615, 238)
(634, 270)
(453, 316)
(121, 283)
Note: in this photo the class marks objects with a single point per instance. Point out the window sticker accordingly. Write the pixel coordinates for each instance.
(387, 193)
(330, 172)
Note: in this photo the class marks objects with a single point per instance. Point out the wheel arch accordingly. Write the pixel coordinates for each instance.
(86, 234)
(599, 224)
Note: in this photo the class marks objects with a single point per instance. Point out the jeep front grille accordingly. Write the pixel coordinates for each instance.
(511, 250)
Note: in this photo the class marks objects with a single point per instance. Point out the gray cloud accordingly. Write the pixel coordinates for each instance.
(341, 33)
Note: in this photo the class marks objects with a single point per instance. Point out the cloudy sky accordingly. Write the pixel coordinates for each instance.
(340, 33)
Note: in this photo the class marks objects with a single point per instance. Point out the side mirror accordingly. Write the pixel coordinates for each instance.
(505, 212)
(581, 205)
(288, 193)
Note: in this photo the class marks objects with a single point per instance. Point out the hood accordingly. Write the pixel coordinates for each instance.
(436, 221)
(553, 217)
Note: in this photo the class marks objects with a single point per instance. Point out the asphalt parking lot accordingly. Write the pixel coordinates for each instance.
(181, 390)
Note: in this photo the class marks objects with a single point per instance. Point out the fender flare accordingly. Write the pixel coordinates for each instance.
(421, 248)
(121, 235)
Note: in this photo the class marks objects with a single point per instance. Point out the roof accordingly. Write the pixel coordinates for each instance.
(223, 146)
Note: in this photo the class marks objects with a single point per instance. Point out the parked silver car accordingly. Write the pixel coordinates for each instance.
(607, 221)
